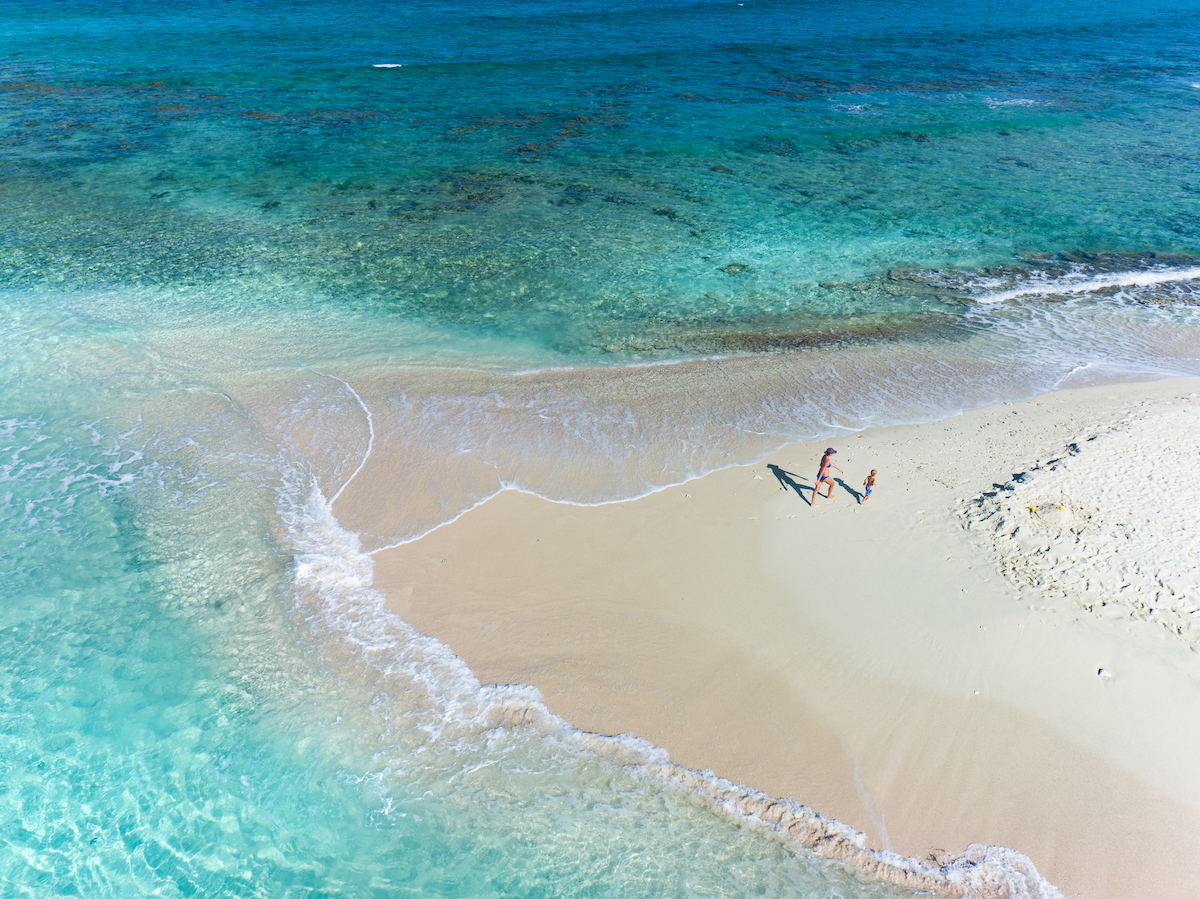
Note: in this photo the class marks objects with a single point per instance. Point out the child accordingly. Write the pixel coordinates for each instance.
(868, 486)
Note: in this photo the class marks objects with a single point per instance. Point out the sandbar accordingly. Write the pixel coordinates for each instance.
(887, 663)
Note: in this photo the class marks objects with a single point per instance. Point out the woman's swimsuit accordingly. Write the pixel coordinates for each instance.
(824, 473)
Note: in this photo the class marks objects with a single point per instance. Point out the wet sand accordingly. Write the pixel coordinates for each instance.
(869, 661)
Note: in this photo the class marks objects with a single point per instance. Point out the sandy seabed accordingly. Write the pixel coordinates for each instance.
(1001, 647)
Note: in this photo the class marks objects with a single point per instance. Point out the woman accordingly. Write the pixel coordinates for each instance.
(824, 476)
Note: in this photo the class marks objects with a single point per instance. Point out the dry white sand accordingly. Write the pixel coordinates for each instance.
(929, 683)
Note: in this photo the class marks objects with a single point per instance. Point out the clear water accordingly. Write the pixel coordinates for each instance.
(201, 699)
(217, 217)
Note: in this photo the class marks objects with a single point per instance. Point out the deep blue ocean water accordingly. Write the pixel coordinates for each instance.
(500, 218)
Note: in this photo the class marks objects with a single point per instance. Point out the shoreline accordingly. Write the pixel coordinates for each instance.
(692, 617)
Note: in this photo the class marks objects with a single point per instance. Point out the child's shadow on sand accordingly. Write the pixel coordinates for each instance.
(786, 481)
(857, 496)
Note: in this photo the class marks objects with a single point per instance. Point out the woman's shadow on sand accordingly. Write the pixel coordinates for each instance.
(787, 480)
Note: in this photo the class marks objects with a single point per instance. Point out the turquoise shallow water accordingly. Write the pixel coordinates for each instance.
(193, 707)
(560, 180)
(216, 219)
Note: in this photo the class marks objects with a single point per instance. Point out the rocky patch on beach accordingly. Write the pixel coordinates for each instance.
(1108, 524)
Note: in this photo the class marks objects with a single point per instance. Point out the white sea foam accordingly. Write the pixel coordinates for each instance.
(332, 578)
(994, 103)
(387, 65)
(649, 363)
(1081, 282)
(370, 440)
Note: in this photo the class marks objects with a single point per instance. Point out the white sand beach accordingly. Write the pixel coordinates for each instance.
(956, 661)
